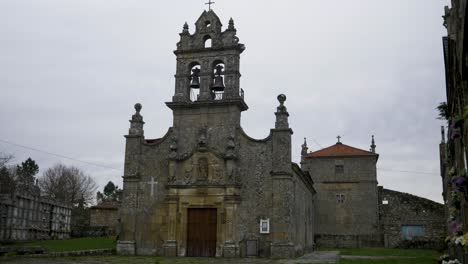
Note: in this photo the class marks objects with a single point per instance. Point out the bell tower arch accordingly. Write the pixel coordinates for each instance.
(208, 65)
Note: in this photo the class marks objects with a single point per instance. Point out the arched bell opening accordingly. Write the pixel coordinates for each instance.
(195, 69)
(208, 42)
(217, 86)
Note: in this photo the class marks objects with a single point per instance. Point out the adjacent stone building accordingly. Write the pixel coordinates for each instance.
(347, 198)
(25, 217)
(352, 211)
(105, 216)
(206, 188)
(408, 220)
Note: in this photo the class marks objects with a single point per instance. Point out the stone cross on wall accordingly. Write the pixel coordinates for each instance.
(152, 183)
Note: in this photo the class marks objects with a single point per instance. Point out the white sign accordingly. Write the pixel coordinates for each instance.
(265, 226)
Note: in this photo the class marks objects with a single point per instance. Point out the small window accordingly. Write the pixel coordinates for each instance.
(340, 198)
(208, 24)
(339, 168)
(208, 43)
(384, 201)
(409, 232)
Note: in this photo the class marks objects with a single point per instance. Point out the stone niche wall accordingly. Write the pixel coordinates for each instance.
(24, 217)
(399, 211)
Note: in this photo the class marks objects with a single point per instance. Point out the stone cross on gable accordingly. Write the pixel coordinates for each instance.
(209, 4)
(339, 138)
(152, 183)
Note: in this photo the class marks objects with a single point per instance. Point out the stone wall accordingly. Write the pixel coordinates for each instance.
(150, 216)
(401, 210)
(106, 218)
(346, 203)
(32, 218)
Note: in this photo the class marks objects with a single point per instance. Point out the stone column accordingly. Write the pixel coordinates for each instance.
(128, 212)
(283, 186)
(231, 247)
(170, 246)
(182, 89)
(205, 85)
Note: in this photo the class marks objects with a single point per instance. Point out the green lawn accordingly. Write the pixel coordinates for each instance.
(410, 256)
(389, 252)
(73, 244)
(395, 256)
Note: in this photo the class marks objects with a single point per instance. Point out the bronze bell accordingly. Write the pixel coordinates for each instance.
(218, 85)
(195, 83)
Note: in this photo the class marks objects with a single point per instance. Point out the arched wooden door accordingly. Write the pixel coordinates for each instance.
(201, 232)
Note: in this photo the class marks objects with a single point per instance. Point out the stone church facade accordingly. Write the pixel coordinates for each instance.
(206, 188)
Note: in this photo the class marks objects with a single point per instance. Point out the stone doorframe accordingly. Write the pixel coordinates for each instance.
(223, 198)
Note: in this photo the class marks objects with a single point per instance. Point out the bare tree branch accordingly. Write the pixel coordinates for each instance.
(68, 184)
(5, 158)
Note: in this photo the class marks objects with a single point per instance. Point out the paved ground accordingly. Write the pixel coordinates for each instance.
(318, 257)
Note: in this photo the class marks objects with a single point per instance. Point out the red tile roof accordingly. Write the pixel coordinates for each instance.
(151, 141)
(339, 150)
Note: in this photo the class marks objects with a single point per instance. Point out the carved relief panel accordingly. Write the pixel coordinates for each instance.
(200, 168)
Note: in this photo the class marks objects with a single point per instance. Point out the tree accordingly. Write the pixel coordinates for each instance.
(443, 111)
(68, 185)
(7, 181)
(4, 159)
(111, 193)
(25, 175)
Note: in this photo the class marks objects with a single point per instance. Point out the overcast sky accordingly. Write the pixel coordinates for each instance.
(71, 71)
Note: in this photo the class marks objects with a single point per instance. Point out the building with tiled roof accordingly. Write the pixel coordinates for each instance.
(340, 150)
(352, 211)
(345, 178)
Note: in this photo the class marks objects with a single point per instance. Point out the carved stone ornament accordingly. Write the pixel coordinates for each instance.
(202, 169)
(202, 143)
(172, 171)
(173, 147)
(231, 147)
(188, 171)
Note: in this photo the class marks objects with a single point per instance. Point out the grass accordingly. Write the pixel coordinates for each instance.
(409, 256)
(403, 256)
(389, 252)
(73, 244)
(388, 261)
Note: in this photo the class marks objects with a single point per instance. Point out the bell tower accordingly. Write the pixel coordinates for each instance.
(208, 65)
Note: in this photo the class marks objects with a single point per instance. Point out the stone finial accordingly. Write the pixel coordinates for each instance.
(304, 148)
(281, 100)
(138, 107)
(372, 149)
(281, 114)
(186, 28)
(231, 24)
(136, 124)
(339, 139)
